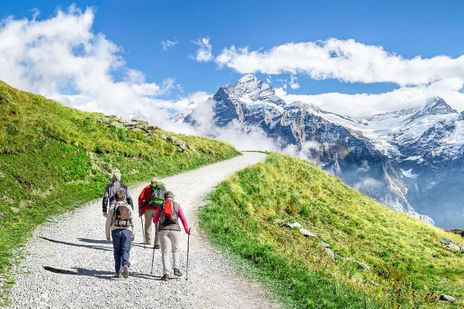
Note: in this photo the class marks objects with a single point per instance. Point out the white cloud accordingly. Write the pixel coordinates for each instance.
(242, 138)
(344, 60)
(349, 61)
(294, 82)
(167, 44)
(62, 58)
(204, 51)
(369, 184)
(365, 104)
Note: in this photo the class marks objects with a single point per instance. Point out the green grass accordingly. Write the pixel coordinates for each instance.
(54, 158)
(409, 266)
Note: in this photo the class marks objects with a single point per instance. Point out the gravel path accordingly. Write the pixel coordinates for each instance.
(76, 246)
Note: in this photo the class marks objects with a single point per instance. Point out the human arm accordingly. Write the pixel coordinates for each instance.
(141, 200)
(132, 228)
(105, 201)
(129, 200)
(184, 220)
(108, 224)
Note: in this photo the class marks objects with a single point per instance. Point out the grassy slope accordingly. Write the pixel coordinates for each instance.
(53, 158)
(409, 266)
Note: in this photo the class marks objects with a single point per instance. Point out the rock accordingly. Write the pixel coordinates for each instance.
(324, 244)
(445, 241)
(307, 233)
(181, 145)
(141, 123)
(361, 266)
(192, 147)
(447, 298)
(370, 282)
(453, 247)
(295, 224)
(171, 139)
(300, 228)
(117, 125)
(330, 253)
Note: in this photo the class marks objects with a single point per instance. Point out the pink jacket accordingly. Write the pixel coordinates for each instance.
(180, 213)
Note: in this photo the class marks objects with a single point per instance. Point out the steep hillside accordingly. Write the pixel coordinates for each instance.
(54, 158)
(319, 243)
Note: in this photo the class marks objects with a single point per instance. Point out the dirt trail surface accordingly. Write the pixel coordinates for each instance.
(69, 263)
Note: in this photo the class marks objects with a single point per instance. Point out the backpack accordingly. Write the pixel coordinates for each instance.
(157, 193)
(122, 215)
(169, 212)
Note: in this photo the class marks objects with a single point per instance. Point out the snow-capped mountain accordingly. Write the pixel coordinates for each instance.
(410, 160)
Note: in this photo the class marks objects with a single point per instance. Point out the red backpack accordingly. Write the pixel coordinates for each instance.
(169, 212)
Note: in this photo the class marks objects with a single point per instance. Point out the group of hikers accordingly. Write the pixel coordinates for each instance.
(161, 214)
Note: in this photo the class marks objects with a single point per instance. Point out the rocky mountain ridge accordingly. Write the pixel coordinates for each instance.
(410, 160)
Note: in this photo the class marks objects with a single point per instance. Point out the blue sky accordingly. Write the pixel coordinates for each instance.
(404, 28)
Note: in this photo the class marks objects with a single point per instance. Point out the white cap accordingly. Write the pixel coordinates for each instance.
(116, 175)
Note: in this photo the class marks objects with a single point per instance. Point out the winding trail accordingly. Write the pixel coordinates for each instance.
(80, 261)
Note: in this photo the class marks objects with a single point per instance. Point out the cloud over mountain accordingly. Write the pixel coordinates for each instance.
(62, 58)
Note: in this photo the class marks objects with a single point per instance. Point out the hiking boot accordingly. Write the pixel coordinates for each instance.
(125, 271)
(177, 272)
(157, 246)
(118, 276)
(165, 277)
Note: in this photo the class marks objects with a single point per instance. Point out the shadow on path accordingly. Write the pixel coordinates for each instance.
(101, 241)
(94, 241)
(77, 245)
(102, 274)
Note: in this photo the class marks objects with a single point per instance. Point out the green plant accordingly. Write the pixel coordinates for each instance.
(406, 265)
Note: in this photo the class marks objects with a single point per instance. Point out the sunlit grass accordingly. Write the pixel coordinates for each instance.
(408, 265)
(54, 158)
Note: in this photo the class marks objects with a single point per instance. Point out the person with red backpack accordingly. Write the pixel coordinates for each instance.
(168, 216)
(151, 197)
(121, 226)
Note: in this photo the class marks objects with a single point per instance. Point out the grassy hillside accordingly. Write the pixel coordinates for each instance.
(53, 158)
(377, 258)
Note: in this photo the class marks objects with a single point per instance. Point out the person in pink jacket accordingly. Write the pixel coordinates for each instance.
(168, 216)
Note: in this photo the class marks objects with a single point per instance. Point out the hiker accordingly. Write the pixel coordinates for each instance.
(151, 197)
(119, 222)
(168, 216)
(109, 196)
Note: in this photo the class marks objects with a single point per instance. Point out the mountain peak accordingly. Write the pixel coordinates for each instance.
(247, 78)
(434, 106)
(250, 88)
(437, 105)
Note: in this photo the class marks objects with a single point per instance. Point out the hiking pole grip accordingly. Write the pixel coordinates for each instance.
(188, 249)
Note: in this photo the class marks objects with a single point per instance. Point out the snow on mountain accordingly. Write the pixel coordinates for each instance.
(405, 159)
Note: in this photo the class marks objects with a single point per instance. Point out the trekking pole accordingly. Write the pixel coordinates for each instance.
(153, 256)
(188, 249)
(143, 233)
